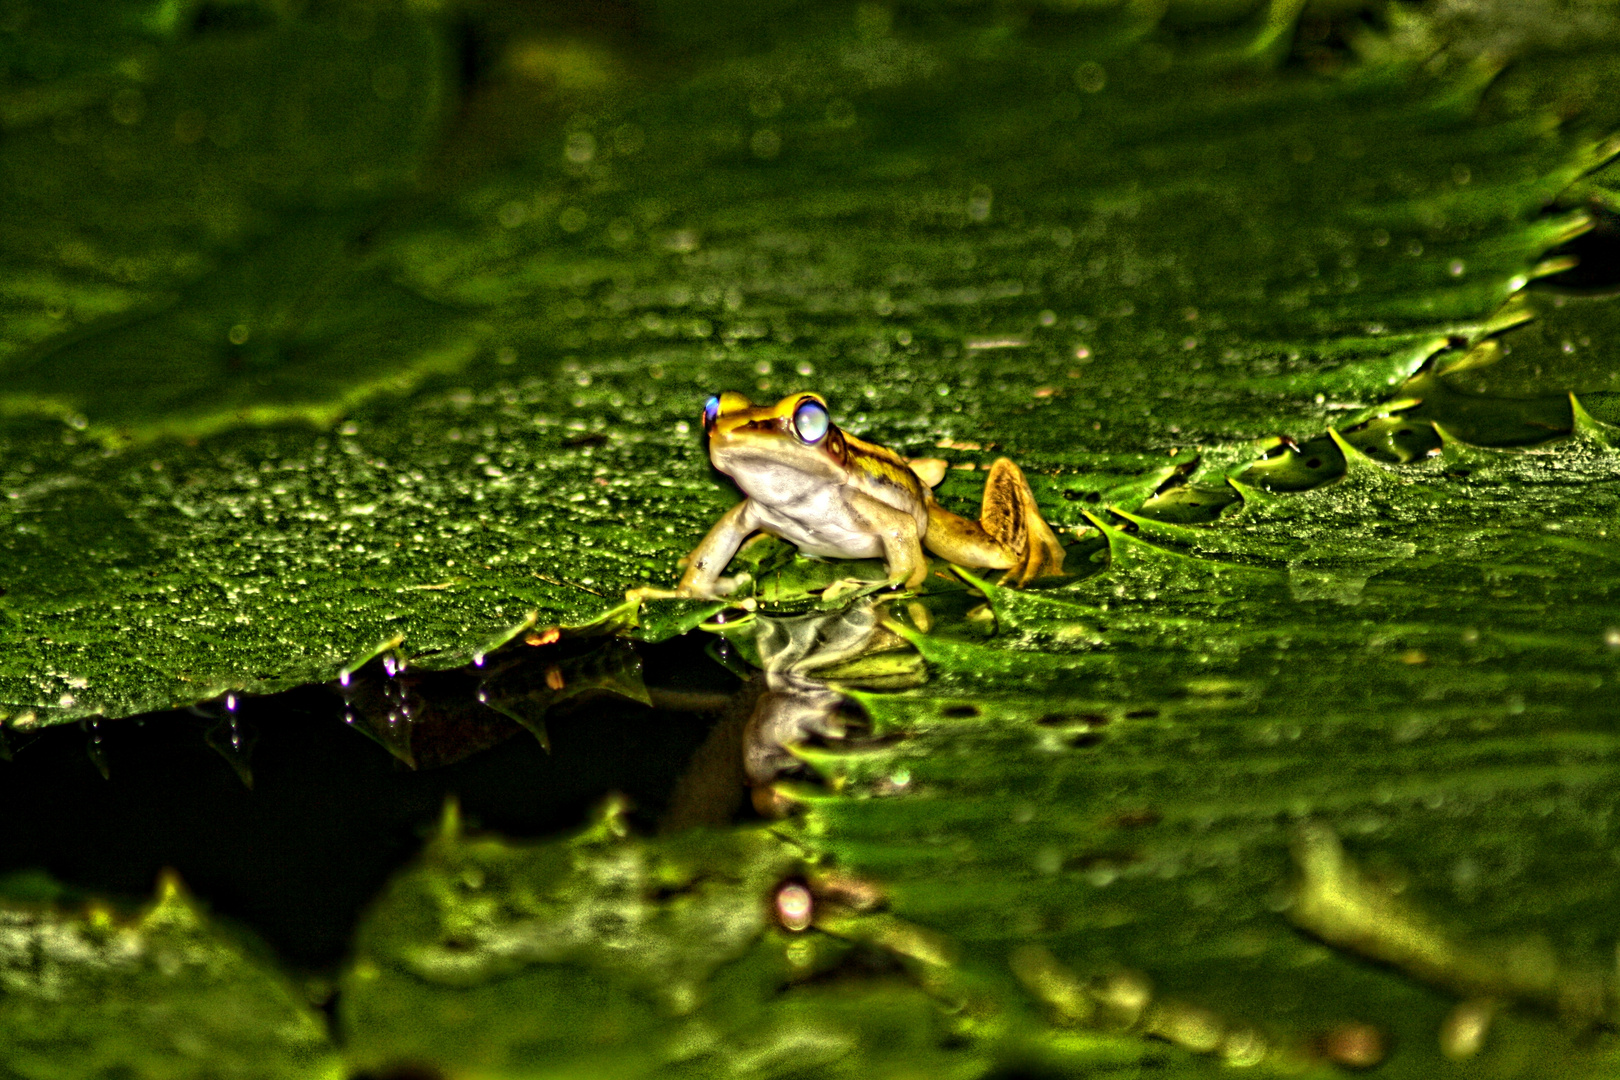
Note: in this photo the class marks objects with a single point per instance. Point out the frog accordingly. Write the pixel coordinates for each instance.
(836, 496)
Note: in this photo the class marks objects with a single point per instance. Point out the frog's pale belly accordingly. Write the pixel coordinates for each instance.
(821, 523)
(806, 505)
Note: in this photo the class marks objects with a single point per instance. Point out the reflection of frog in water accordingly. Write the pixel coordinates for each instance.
(805, 661)
(837, 496)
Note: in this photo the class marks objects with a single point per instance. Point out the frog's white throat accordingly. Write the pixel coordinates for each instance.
(768, 477)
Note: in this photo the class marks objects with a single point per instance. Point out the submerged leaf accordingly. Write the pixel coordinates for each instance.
(165, 994)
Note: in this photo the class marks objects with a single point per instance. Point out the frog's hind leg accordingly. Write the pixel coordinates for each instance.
(1010, 534)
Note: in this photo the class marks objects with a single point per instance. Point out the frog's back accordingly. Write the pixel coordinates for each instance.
(886, 476)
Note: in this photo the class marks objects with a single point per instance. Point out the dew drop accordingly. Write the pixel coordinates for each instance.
(580, 147)
(795, 907)
(96, 750)
(512, 214)
(765, 144)
(1355, 1045)
(980, 201)
(1463, 1031)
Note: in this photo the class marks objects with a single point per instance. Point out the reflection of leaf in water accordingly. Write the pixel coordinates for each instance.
(525, 688)
(428, 719)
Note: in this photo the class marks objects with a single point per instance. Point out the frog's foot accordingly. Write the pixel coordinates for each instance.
(716, 589)
(910, 577)
(1010, 534)
(642, 593)
(1010, 515)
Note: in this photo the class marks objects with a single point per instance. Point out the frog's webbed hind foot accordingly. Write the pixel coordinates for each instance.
(1010, 534)
(1011, 517)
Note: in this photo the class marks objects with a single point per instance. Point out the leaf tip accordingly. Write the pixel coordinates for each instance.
(172, 905)
(1252, 495)
(1356, 463)
(449, 820)
(1589, 428)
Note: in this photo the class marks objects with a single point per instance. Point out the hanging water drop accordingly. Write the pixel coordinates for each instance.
(96, 749)
(233, 739)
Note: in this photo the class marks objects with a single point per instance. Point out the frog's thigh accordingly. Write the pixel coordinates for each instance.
(965, 543)
(897, 531)
(714, 551)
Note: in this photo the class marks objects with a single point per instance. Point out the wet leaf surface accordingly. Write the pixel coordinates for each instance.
(1074, 247)
(1123, 763)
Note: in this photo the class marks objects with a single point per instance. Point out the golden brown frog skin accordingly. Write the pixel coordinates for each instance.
(837, 496)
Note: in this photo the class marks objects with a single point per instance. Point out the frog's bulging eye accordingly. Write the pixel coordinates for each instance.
(810, 421)
(711, 410)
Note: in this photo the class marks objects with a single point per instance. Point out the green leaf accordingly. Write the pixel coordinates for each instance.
(157, 156)
(604, 955)
(1428, 675)
(955, 237)
(1134, 260)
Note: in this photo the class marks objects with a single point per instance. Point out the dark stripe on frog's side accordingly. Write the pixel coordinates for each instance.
(883, 466)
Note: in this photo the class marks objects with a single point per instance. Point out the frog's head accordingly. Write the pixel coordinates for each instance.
(766, 447)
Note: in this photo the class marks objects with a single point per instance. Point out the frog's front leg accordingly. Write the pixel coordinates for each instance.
(704, 563)
(897, 531)
(1010, 534)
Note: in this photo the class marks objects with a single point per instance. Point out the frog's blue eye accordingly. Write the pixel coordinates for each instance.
(810, 421)
(711, 410)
